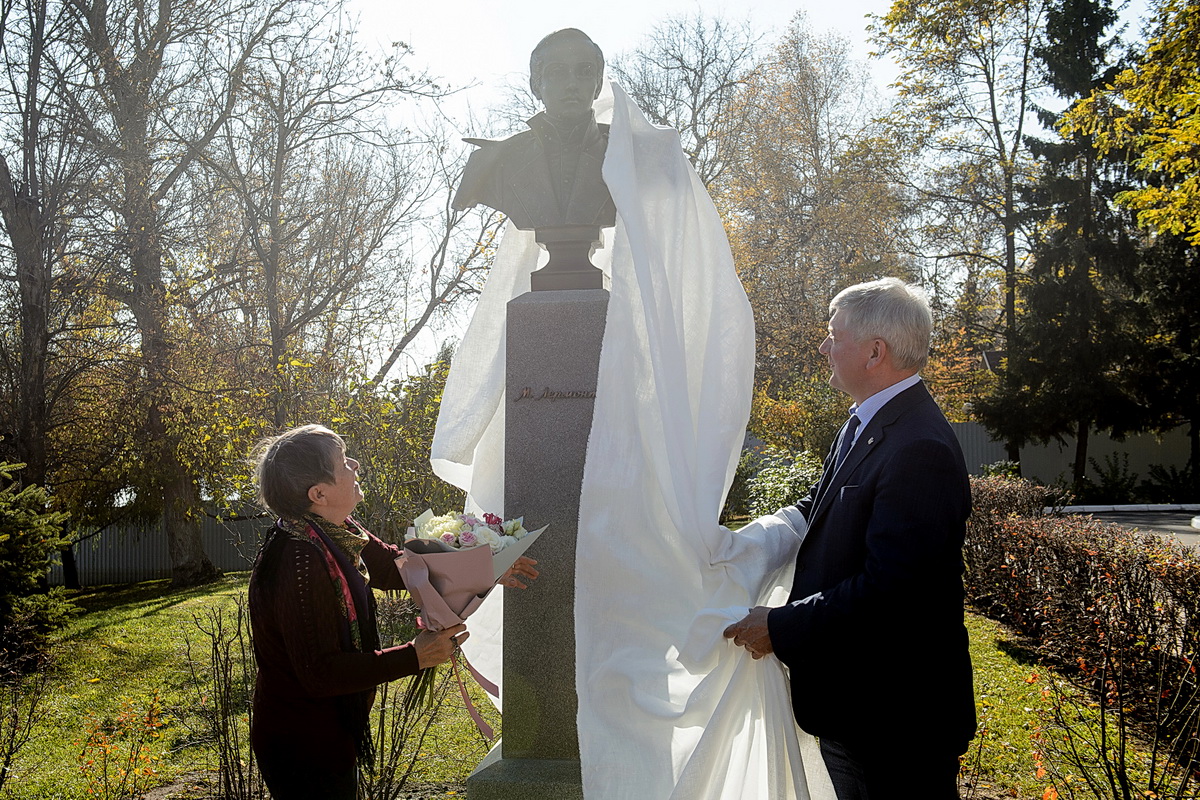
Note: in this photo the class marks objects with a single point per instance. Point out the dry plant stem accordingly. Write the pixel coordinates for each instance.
(21, 696)
(227, 653)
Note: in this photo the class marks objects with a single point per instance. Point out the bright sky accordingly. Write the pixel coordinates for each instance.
(489, 41)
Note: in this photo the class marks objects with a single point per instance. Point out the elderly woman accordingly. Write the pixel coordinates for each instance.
(313, 617)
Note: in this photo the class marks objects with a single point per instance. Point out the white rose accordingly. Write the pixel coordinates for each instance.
(489, 537)
(445, 529)
(515, 528)
(434, 527)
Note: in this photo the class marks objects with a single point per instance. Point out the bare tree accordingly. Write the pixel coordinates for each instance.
(344, 231)
(457, 249)
(320, 182)
(43, 178)
(161, 81)
(58, 341)
(968, 75)
(686, 74)
(810, 201)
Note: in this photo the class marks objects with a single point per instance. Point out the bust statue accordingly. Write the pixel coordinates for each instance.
(549, 176)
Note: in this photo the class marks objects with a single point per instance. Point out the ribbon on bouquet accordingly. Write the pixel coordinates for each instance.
(455, 658)
(484, 729)
(448, 586)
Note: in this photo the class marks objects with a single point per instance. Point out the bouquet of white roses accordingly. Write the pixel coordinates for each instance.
(446, 567)
(449, 573)
(463, 531)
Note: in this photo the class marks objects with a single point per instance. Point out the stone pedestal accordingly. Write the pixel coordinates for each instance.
(552, 357)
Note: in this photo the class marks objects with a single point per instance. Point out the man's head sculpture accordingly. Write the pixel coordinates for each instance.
(549, 178)
(566, 73)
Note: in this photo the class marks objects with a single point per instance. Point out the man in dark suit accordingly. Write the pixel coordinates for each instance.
(873, 633)
(549, 176)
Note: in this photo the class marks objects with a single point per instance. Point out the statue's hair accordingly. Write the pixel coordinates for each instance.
(892, 310)
(536, 60)
(288, 465)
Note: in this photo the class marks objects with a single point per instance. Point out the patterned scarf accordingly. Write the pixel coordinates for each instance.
(341, 548)
(349, 540)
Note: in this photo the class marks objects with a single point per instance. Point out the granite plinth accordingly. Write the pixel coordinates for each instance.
(499, 778)
(552, 360)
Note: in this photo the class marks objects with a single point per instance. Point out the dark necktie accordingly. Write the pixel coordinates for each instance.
(847, 441)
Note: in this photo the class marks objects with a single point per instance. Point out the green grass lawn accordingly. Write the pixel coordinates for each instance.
(128, 647)
(122, 652)
(1003, 760)
(127, 650)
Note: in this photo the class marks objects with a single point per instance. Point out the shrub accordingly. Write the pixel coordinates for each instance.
(784, 481)
(1002, 469)
(29, 534)
(119, 756)
(220, 662)
(1168, 484)
(24, 688)
(1120, 611)
(737, 502)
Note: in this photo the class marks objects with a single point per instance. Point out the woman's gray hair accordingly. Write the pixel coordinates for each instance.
(892, 310)
(288, 465)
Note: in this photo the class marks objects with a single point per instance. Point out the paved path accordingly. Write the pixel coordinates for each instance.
(1177, 524)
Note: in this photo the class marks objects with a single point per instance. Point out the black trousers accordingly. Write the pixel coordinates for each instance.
(892, 774)
(291, 778)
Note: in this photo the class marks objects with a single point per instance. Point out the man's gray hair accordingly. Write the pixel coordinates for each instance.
(892, 310)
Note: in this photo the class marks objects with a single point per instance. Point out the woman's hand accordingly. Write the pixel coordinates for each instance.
(522, 568)
(435, 648)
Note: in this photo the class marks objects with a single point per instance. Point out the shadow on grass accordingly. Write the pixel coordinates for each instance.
(134, 600)
(1021, 652)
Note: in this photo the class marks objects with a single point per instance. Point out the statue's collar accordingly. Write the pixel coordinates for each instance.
(548, 128)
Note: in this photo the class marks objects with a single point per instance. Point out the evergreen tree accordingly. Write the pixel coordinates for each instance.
(1066, 359)
(1163, 372)
(29, 534)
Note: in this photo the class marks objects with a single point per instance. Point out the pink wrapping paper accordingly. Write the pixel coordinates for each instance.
(447, 585)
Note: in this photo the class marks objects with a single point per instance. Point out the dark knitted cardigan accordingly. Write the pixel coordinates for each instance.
(308, 672)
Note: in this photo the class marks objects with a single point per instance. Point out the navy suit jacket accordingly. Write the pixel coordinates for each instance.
(879, 658)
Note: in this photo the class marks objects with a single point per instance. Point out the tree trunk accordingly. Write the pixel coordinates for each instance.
(1081, 449)
(1010, 297)
(70, 568)
(22, 221)
(190, 565)
(1194, 458)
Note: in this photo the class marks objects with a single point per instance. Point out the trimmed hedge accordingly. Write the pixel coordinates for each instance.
(1119, 610)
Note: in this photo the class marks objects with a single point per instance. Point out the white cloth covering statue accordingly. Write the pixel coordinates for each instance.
(667, 707)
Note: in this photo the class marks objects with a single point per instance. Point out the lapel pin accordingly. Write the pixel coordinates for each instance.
(871, 440)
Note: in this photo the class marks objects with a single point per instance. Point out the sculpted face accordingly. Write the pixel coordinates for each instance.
(570, 79)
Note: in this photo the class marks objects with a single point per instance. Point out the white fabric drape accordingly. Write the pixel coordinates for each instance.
(667, 707)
